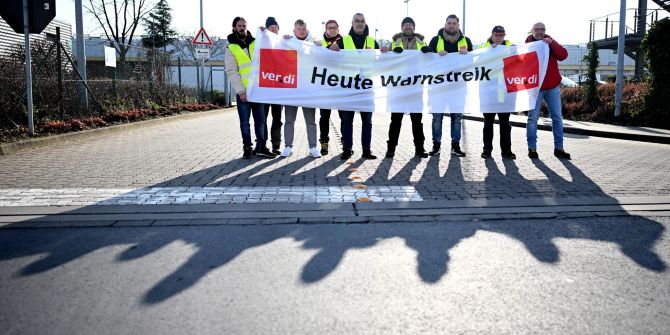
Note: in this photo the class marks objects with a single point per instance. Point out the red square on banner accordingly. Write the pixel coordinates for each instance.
(279, 68)
(521, 72)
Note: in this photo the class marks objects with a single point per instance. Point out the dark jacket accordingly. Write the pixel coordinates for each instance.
(448, 47)
(232, 39)
(359, 40)
(556, 53)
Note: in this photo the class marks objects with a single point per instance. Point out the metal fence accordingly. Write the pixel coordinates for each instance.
(142, 78)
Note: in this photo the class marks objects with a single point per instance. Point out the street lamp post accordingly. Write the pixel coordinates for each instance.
(463, 17)
(620, 59)
(407, 7)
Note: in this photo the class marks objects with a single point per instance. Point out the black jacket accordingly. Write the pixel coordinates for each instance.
(232, 39)
(448, 47)
(359, 40)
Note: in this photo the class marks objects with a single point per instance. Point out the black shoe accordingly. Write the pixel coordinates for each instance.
(276, 151)
(456, 150)
(368, 154)
(247, 153)
(265, 153)
(346, 154)
(253, 152)
(436, 150)
(390, 154)
(560, 153)
(486, 154)
(532, 153)
(324, 148)
(420, 152)
(508, 155)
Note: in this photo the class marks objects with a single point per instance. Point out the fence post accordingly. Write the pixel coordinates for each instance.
(60, 75)
(211, 84)
(179, 70)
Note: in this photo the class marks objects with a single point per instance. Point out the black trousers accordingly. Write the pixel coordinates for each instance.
(505, 132)
(324, 125)
(275, 129)
(417, 129)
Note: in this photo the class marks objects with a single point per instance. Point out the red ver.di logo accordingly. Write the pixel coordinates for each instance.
(522, 72)
(279, 68)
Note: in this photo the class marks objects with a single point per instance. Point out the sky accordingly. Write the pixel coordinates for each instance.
(567, 21)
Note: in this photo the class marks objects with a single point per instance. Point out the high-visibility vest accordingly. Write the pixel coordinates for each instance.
(488, 44)
(349, 42)
(462, 43)
(243, 60)
(419, 45)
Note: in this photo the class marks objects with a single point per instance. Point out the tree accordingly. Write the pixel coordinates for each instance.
(657, 51)
(591, 88)
(157, 26)
(119, 20)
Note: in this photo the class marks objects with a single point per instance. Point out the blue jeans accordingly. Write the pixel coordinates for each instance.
(553, 99)
(455, 127)
(347, 128)
(244, 111)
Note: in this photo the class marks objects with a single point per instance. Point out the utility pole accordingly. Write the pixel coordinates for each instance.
(620, 59)
(463, 17)
(81, 55)
(202, 62)
(29, 72)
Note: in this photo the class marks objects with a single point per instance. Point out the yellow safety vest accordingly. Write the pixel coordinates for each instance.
(243, 60)
(461, 43)
(418, 45)
(349, 42)
(488, 44)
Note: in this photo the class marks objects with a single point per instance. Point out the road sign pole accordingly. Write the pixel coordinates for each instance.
(29, 73)
(202, 62)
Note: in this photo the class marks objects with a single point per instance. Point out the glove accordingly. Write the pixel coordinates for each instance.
(426, 49)
(397, 50)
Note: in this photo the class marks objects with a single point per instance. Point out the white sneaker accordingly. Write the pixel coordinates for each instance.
(314, 152)
(287, 152)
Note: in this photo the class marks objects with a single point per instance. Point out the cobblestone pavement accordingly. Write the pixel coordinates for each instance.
(199, 161)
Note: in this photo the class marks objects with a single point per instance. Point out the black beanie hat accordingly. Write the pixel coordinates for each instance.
(406, 20)
(270, 21)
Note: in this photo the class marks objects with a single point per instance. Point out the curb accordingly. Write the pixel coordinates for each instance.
(589, 132)
(14, 147)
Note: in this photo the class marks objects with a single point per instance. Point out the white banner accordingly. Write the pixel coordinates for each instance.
(501, 80)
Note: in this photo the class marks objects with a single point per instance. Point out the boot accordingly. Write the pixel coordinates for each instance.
(420, 152)
(368, 154)
(346, 154)
(436, 149)
(390, 152)
(456, 150)
(324, 148)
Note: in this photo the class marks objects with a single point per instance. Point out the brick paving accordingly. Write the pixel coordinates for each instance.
(199, 161)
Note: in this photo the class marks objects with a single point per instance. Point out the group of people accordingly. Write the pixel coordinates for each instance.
(449, 39)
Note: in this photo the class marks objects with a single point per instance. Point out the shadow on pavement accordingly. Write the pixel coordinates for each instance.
(217, 246)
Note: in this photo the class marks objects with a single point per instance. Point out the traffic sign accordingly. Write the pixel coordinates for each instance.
(202, 38)
(202, 53)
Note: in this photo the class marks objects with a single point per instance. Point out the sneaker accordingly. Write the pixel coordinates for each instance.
(287, 152)
(486, 154)
(247, 153)
(265, 153)
(560, 153)
(456, 150)
(368, 154)
(276, 151)
(324, 148)
(532, 153)
(314, 152)
(436, 150)
(346, 154)
(420, 152)
(508, 155)
(390, 154)
(253, 152)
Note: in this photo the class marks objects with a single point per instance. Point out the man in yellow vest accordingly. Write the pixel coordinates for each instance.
(330, 36)
(358, 38)
(497, 38)
(238, 69)
(449, 39)
(409, 40)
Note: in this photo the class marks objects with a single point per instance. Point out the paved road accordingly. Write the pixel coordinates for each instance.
(604, 275)
(198, 161)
